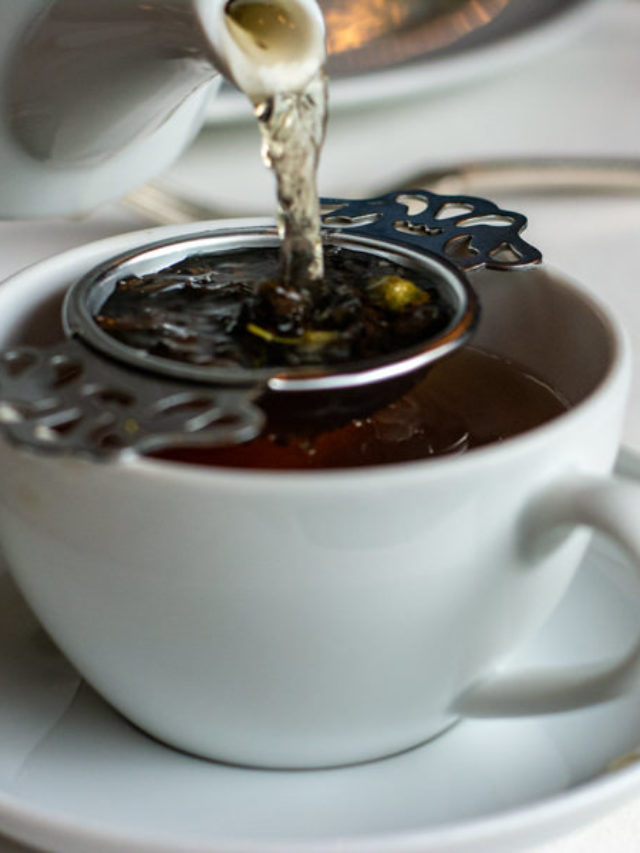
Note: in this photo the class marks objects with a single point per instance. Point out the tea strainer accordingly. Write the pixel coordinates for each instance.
(94, 395)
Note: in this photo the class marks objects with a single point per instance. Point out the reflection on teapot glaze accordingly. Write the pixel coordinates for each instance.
(89, 77)
(265, 29)
(268, 47)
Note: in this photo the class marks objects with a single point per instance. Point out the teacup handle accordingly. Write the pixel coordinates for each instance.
(612, 507)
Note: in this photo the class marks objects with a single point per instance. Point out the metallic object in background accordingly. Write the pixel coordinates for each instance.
(536, 175)
(369, 34)
(539, 175)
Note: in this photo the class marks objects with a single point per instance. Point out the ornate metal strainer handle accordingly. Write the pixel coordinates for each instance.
(469, 232)
(66, 398)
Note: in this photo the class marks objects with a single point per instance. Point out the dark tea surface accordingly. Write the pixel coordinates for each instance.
(470, 399)
(234, 310)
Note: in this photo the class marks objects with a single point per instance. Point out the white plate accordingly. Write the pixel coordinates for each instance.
(74, 776)
(523, 30)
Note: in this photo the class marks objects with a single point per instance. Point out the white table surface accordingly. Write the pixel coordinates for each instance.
(582, 99)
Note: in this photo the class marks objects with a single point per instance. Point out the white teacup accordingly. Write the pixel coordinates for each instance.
(309, 619)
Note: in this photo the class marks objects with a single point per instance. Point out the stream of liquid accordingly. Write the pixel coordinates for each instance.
(292, 126)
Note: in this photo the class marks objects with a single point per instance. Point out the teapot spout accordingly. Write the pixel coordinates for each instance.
(265, 46)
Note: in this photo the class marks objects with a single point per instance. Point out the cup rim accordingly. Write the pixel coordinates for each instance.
(89, 254)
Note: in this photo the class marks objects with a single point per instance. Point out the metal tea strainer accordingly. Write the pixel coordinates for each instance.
(94, 395)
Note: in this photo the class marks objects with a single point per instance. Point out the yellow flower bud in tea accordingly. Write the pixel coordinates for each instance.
(396, 293)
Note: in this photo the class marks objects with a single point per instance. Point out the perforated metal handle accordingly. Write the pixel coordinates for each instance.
(66, 398)
(470, 232)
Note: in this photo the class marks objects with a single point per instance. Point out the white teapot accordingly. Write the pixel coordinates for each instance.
(98, 96)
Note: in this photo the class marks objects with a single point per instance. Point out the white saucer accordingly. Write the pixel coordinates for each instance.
(522, 31)
(74, 776)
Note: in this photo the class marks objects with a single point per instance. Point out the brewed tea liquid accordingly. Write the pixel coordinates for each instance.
(469, 400)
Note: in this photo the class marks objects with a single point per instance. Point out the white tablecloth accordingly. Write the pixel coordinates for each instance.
(583, 99)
